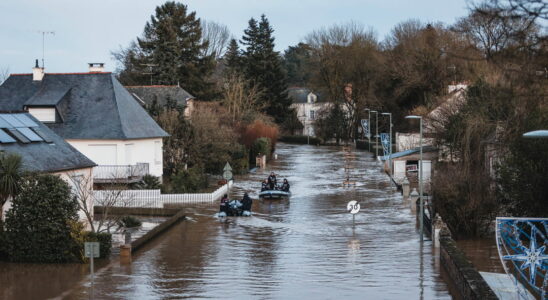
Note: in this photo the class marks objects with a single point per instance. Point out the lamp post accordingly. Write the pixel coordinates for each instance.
(369, 128)
(421, 201)
(390, 150)
(376, 133)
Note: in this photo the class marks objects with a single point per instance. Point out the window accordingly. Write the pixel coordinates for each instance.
(312, 115)
(46, 115)
(158, 152)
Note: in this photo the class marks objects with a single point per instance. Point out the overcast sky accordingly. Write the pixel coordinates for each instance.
(87, 31)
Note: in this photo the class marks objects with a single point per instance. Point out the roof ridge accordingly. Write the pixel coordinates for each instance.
(111, 82)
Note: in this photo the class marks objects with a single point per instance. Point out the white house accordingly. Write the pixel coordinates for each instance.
(42, 150)
(94, 113)
(307, 105)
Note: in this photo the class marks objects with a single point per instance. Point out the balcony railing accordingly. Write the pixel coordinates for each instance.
(120, 173)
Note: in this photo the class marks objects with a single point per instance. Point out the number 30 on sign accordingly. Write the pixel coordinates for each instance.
(353, 207)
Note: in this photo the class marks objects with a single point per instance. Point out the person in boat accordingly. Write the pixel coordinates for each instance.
(224, 204)
(272, 180)
(285, 186)
(264, 185)
(246, 202)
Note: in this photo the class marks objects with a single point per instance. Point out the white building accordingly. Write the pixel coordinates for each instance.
(307, 105)
(95, 114)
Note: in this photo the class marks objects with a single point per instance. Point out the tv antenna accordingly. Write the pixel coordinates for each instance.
(150, 66)
(44, 33)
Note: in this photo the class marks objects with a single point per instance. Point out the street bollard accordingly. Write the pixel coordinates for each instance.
(436, 228)
(414, 197)
(405, 188)
(125, 254)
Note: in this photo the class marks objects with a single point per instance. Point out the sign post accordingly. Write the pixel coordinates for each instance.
(91, 250)
(353, 207)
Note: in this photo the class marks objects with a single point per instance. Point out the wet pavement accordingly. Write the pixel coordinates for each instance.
(303, 248)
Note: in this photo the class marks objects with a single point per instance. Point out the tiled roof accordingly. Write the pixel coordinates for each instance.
(160, 94)
(52, 156)
(92, 105)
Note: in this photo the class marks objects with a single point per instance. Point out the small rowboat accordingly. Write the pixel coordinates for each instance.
(274, 194)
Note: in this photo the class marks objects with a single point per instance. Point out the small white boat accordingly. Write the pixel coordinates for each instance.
(274, 194)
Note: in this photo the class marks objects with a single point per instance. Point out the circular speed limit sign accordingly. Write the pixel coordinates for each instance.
(353, 207)
(227, 175)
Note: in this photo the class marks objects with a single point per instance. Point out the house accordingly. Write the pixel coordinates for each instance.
(151, 95)
(42, 150)
(406, 163)
(95, 114)
(307, 105)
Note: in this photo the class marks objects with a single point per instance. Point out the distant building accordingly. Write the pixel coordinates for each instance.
(44, 151)
(307, 105)
(160, 95)
(96, 115)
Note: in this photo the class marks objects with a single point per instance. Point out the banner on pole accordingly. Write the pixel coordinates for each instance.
(365, 125)
(385, 141)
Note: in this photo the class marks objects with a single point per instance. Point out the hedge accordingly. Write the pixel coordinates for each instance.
(104, 239)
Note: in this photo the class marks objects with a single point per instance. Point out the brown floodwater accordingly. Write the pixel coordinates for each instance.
(304, 248)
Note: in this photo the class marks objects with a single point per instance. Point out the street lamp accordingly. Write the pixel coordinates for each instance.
(537, 134)
(376, 132)
(390, 151)
(421, 206)
(369, 128)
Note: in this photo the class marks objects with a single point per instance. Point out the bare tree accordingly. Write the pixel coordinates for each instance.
(240, 96)
(4, 74)
(87, 199)
(217, 37)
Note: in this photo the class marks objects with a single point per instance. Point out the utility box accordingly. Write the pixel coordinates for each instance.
(260, 161)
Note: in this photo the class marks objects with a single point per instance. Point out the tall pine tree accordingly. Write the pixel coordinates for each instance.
(171, 43)
(263, 66)
(232, 58)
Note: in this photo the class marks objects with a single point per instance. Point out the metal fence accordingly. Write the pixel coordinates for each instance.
(154, 198)
(113, 172)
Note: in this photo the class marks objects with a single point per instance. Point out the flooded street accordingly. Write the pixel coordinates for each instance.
(305, 247)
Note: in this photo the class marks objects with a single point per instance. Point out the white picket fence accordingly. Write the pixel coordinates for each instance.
(154, 198)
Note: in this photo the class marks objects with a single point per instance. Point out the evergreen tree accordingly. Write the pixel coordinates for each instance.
(172, 44)
(263, 67)
(296, 59)
(232, 58)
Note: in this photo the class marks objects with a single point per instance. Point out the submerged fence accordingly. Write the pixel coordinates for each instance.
(154, 198)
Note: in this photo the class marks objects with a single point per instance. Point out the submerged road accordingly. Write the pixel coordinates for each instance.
(304, 248)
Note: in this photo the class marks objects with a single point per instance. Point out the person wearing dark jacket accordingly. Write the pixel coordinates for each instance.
(246, 202)
(224, 204)
(272, 180)
(264, 186)
(285, 186)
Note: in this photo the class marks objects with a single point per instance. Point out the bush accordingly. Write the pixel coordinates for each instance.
(39, 226)
(3, 250)
(129, 222)
(105, 242)
(261, 146)
(301, 139)
(149, 182)
(188, 181)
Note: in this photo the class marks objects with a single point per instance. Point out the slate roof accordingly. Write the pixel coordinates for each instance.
(89, 105)
(300, 95)
(42, 156)
(160, 93)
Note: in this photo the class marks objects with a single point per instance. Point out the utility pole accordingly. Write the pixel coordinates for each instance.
(44, 43)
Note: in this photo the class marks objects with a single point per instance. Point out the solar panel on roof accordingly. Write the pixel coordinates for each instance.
(12, 120)
(25, 120)
(5, 138)
(44, 136)
(4, 123)
(29, 134)
(19, 136)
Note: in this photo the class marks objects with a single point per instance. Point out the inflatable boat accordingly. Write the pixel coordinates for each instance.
(234, 209)
(274, 194)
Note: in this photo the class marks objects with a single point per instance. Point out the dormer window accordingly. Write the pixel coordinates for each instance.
(311, 98)
(43, 114)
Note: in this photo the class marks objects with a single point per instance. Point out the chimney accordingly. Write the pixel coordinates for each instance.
(37, 72)
(96, 67)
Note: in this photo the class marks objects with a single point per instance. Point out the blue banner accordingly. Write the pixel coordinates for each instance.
(365, 125)
(385, 141)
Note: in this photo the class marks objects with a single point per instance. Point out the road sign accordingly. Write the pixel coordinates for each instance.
(227, 174)
(353, 207)
(91, 249)
(227, 167)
